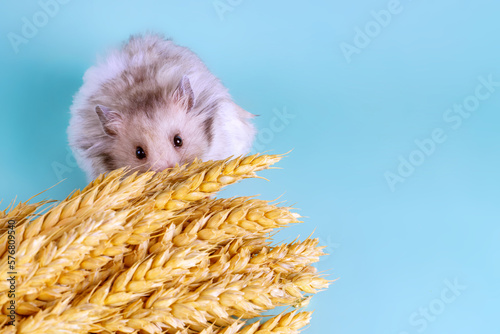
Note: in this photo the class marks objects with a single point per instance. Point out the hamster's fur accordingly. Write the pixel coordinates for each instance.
(135, 105)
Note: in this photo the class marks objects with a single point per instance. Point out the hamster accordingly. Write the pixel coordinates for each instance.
(151, 105)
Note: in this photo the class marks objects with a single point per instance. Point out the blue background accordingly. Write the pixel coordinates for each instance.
(352, 119)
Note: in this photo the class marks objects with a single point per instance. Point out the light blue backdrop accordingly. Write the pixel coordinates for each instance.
(392, 109)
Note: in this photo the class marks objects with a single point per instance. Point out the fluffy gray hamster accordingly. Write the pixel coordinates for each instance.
(150, 105)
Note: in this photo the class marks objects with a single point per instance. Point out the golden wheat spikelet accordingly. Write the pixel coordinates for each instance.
(284, 323)
(255, 255)
(21, 211)
(63, 318)
(19, 214)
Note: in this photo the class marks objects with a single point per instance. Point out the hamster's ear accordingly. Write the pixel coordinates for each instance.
(183, 94)
(110, 120)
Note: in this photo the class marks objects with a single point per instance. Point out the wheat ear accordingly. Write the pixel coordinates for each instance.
(285, 323)
(60, 255)
(106, 193)
(63, 318)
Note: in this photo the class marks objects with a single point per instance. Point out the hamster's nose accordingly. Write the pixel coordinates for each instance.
(161, 167)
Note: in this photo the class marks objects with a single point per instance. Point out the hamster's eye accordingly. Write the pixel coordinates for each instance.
(139, 153)
(177, 141)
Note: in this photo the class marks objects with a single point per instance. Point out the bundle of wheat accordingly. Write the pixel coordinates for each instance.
(156, 253)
